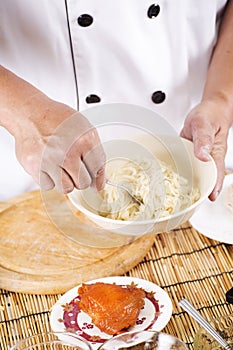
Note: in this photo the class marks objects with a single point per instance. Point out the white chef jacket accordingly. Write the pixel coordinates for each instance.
(88, 52)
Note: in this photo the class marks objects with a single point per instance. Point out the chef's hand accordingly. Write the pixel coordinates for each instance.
(58, 147)
(207, 126)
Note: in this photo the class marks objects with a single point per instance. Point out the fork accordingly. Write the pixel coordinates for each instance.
(121, 187)
(190, 309)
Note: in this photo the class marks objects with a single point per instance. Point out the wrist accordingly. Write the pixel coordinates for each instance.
(37, 114)
(16, 115)
(224, 103)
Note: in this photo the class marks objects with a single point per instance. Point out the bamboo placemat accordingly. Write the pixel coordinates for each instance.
(183, 262)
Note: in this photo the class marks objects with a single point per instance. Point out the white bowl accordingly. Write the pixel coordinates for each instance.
(172, 150)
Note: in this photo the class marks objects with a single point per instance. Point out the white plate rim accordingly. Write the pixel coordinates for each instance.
(164, 301)
(209, 230)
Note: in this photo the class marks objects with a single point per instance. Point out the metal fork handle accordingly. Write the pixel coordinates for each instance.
(124, 189)
(190, 309)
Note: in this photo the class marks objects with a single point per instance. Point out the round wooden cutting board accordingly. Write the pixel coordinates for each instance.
(44, 246)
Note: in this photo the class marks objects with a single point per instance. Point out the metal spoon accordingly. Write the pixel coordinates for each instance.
(121, 187)
(190, 309)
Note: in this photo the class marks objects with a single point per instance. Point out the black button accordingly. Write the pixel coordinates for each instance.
(85, 20)
(92, 99)
(158, 97)
(153, 11)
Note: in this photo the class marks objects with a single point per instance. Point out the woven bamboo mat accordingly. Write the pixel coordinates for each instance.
(183, 262)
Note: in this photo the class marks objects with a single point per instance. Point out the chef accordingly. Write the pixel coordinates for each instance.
(60, 57)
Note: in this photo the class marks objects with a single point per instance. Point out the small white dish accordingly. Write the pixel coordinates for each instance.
(215, 219)
(65, 315)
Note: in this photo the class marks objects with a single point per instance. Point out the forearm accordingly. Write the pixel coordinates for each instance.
(22, 105)
(219, 84)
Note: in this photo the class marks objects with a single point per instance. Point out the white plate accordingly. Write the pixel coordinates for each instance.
(215, 219)
(155, 314)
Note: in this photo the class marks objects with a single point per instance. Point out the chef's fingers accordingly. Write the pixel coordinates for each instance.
(100, 179)
(52, 176)
(207, 141)
(66, 184)
(74, 155)
(60, 178)
(73, 172)
(202, 135)
(218, 153)
(203, 143)
(45, 181)
(94, 161)
(80, 176)
(220, 177)
(84, 177)
(87, 169)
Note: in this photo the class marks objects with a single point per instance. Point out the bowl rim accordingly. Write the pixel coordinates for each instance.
(109, 341)
(57, 334)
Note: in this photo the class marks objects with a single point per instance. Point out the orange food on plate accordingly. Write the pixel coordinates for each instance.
(112, 307)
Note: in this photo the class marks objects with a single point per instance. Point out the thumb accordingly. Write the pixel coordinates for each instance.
(203, 144)
(203, 151)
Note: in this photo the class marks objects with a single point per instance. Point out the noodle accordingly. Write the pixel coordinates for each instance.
(161, 190)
